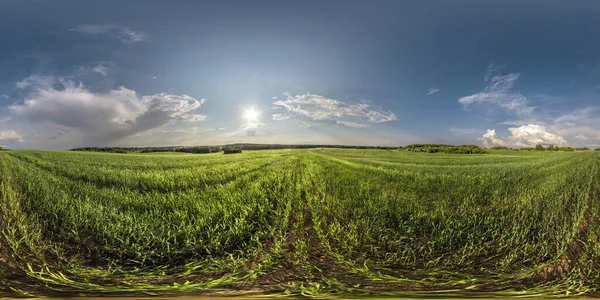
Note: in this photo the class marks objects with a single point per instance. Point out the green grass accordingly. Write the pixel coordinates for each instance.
(300, 222)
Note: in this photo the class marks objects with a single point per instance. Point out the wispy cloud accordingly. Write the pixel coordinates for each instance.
(579, 122)
(318, 107)
(281, 117)
(499, 93)
(352, 124)
(491, 70)
(100, 69)
(126, 35)
(432, 91)
(36, 81)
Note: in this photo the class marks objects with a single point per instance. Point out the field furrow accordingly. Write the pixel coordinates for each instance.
(303, 222)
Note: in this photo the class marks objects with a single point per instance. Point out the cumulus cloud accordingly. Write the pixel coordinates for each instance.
(499, 93)
(432, 91)
(523, 136)
(489, 139)
(318, 107)
(126, 35)
(107, 116)
(10, 135)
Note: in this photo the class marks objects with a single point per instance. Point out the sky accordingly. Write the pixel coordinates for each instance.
(164, 73)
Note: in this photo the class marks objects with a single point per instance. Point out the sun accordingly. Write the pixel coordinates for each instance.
(251, 114)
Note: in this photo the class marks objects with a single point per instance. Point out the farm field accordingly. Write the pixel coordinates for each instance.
(300, 222)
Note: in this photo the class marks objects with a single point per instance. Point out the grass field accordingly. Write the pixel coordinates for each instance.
(310, 222)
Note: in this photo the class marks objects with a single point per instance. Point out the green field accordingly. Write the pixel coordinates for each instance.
(310, 222)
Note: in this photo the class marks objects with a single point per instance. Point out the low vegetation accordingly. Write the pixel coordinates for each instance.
(435, 148)
(300, 222)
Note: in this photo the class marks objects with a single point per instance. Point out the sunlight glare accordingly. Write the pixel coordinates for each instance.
(251, 114)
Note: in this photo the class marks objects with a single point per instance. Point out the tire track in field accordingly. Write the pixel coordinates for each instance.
(570, 260)
(304, 260)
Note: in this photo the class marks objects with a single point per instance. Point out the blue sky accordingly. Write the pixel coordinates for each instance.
(148, 73)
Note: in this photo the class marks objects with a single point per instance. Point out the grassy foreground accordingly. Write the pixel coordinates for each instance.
(291, 222)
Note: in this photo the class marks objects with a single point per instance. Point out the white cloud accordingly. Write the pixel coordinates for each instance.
(579, 123)
(36, 81)
(10, 135)
(104, 117)
(126, 35)
(432, 91)
(319, 107)
(523, 136)
(499, 93)
(492, 69)
(489, 139)
(192, 118)
(281, 117)
(352, 124)
(100, 69)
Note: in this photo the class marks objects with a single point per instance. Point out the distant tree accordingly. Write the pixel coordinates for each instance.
(539, 147)
(550, 148)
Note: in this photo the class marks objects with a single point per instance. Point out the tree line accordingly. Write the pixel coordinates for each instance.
(443, 148)
(427, 148)
(540, 147)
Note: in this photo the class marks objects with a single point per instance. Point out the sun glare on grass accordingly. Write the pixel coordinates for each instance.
(251, 115)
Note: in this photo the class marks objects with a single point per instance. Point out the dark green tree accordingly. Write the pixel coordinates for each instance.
(539, 147)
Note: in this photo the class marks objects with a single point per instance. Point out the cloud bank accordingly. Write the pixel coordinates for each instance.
(523, 136)
(10, 135)
(102, 117)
